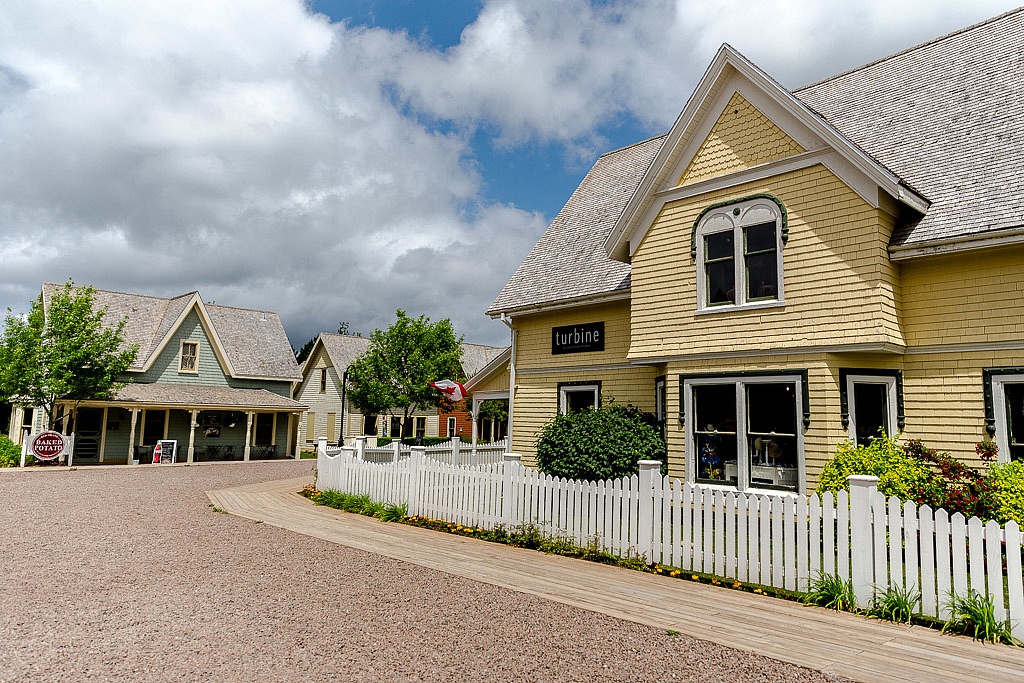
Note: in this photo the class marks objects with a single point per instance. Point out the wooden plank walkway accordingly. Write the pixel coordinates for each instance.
(843, 644)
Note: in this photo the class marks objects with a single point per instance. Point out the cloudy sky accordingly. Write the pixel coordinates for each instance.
(338, 159)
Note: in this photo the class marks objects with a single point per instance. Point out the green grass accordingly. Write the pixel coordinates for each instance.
(896, 604)
(974, 615)
(833, 592)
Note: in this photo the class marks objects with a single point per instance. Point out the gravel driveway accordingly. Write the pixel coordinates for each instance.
(118, 574)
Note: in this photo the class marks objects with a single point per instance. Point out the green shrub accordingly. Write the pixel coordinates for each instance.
(898, 475)
(913, 472)
(1008, 492)
(10, 452)
(598, 444)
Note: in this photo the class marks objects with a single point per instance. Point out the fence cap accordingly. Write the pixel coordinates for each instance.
(862, 480)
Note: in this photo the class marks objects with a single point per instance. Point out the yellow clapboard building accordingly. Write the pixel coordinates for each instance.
(784, 270)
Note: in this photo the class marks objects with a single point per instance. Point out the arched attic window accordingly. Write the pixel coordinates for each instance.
(737, 247)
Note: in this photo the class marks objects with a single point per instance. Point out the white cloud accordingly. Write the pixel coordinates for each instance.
(268, 158)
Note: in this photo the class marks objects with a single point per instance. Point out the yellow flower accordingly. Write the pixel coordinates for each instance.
(694, 577)
(737, 584)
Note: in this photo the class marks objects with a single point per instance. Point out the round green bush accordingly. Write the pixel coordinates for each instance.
(898, 475)
(10, 452)
(598, 444)
(1008, 491)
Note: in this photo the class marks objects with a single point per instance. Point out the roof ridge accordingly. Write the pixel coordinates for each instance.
(908, 50)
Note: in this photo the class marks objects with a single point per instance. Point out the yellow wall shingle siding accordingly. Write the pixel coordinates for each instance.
(498, 382)
(741, 138)
(840, 287)
(538, 372)
(973, 297)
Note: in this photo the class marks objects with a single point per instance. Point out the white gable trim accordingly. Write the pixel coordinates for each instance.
(196, 304)
(496, 366)
(699, 114)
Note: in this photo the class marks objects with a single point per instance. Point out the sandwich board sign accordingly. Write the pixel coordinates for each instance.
(166, 451)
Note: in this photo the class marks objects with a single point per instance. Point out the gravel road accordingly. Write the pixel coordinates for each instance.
(127, 574)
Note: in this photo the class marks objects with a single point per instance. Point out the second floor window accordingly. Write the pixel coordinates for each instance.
(189, 356)
(739, 254)
(323, 380)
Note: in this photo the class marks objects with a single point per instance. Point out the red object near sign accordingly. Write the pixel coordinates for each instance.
(48, 445)
(156, 453)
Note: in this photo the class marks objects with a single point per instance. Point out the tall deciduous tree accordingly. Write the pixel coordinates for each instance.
(392, 376)
(62, 353)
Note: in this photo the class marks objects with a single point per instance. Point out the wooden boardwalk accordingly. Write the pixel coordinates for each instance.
(843, 644)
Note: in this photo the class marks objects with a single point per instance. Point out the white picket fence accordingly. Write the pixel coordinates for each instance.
(783, 541)
(452, 452)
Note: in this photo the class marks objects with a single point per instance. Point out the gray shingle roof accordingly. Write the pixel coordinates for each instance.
(946, 117)
(344, 348)
(254, 341)
(166, 394)
(569, 261)
(476, 356)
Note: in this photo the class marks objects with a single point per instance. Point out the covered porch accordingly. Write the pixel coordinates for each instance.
(206, 423)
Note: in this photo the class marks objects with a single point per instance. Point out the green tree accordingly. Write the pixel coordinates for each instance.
(62, 353)
(392, 376)
(597, 444)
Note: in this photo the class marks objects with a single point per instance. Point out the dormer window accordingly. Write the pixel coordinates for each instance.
(189, 357)
(738, 251)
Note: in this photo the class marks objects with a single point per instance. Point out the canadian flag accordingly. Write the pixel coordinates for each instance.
(453, 390)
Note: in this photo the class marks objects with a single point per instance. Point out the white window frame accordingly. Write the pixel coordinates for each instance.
(999, 383)
(181, 357)
(735, 217)
(565, 390)
(890, 397)
(742, 457)
(323, 380)
(452, 426)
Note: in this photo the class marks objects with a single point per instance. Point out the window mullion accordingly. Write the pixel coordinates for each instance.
(742, 456)
(739, 265)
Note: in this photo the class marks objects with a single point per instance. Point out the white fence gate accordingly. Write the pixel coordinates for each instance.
(783, 541)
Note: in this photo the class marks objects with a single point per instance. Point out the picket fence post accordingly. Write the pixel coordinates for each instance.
(455, 450)
(862, 490)
(397, 446)
(416, 458)
(321, 445)
(509, 463)
(649, 470)
(345, 469)
(360, 448)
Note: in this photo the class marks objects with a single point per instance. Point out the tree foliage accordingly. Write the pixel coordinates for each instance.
(392, 376)
(598, 443)
(64, 353)
(494, 409)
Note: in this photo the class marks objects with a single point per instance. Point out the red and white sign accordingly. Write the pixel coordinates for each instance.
(48, 445)
(453, 390)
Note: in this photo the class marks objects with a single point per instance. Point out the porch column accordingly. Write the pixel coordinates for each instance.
(193, 423)
(248, 434)
(297, 419)
(131, 436)
(293, 423)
